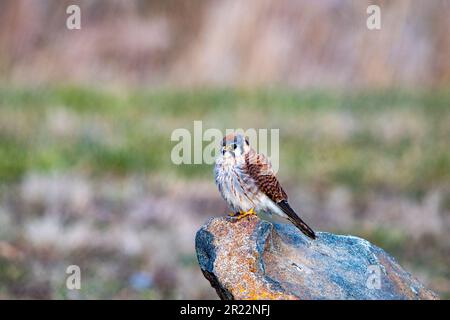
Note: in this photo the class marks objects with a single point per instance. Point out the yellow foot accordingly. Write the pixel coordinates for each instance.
(243, 214)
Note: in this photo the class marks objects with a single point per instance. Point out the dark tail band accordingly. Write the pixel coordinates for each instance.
(295, 219)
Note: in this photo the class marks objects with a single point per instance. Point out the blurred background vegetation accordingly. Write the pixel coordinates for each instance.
(86, 117)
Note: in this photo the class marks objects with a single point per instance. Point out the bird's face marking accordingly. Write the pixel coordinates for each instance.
(234, 146)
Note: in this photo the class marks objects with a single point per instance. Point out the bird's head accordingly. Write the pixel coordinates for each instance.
(234, 145)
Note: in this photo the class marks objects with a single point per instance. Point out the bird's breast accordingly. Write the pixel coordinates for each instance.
(235, 187)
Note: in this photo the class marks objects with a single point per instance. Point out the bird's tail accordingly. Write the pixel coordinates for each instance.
(303, 227)
(295, 219)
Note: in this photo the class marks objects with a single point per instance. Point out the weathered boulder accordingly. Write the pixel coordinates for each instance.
(254, 259)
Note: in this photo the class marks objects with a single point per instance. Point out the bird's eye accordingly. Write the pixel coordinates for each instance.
(234, 146)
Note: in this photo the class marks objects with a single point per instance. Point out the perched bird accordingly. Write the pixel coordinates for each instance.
(249, 186)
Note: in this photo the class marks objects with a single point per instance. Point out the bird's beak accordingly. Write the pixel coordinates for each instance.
(226, 148)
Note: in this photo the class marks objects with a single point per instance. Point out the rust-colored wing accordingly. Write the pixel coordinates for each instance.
(260, 169)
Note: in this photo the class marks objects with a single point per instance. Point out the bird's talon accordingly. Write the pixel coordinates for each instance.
(243, 214)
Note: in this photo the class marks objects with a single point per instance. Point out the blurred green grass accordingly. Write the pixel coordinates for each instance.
(379, 141)
(123, 131)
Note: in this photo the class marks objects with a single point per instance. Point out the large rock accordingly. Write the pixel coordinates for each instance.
(253, 259)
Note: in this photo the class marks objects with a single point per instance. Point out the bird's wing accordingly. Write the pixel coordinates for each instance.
(260, 169)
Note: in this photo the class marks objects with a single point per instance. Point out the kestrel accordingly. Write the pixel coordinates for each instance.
(249, 186)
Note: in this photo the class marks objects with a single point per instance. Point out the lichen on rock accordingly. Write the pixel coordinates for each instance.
(254, 259)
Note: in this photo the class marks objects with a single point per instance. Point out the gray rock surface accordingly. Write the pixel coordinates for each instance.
(253, 259)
